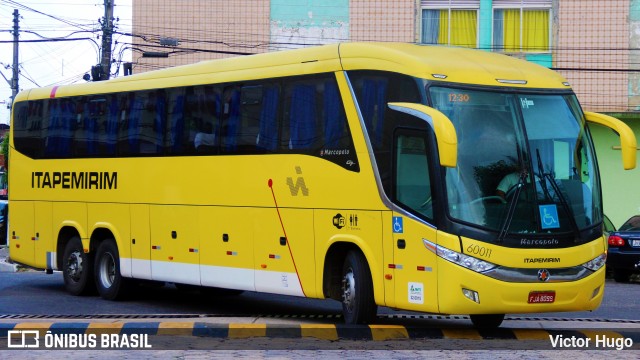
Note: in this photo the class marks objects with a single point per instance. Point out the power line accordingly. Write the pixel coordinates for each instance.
(44, 40)
(24, 7)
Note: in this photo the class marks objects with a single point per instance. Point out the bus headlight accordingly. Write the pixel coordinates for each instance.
(597, 263)
(455, 257)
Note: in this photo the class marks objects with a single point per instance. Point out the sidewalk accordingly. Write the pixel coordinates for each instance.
(5, 266)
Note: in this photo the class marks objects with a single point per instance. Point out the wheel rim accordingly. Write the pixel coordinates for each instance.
(74, 265)
(348, 290)
(107, 269)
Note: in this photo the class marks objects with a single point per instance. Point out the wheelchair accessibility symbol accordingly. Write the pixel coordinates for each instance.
(398, 228)
(549, 216)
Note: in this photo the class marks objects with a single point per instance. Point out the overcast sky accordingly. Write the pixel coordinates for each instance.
(61, 62)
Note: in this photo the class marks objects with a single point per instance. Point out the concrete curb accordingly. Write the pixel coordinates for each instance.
(6, 267)
(330, 332)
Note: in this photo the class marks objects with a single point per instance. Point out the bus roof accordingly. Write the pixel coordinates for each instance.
(438, 63)
(458, 64)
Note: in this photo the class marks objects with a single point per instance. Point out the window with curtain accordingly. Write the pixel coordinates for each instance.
(450, 27)
(521, 30)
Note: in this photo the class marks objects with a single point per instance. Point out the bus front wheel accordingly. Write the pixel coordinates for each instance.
(358, 306)
(109, 281)
(77, 269)
(487, 321)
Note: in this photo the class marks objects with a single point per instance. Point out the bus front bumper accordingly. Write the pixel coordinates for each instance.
(462, 291)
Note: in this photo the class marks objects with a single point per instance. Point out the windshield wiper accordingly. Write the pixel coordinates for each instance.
(512, 203)
(556, 189)
(542, 175)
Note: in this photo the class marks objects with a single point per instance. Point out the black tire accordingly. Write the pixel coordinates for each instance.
(487, 321)
(109, 281)
(358, 305)
(621, 275)
(77, 269)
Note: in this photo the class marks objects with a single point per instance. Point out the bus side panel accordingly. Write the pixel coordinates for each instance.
(45, 242)
(74, 215)
(226, 247)
(115, 218)
(284, 267)
(21, 231)
(416, 271)
(174, 244)
(388, 250)
(140, 242)
(362, 229)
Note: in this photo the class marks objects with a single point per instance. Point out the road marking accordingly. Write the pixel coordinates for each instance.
(244, 331)
(176, 328)
(319, 331)
(388, 332)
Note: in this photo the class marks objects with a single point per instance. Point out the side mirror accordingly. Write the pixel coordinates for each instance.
(441, 125)
(628, 143)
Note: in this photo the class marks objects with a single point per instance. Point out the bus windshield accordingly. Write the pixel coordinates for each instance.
(525, 162)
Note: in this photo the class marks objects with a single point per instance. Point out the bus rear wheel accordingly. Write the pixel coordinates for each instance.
(77, 269)
(487, 321)
(358, 306)
(109, 281)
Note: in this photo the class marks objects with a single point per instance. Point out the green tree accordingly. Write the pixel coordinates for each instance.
(5, 151)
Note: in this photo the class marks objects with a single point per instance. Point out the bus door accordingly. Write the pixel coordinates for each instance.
(414, 266)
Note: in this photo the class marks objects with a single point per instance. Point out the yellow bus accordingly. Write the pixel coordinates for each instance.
(433, 179)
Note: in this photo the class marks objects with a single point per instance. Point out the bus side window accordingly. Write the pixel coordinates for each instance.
(89, 132)
(268, 136)
(50, 125)
(178, 134)
(111, 128)
(206, 138)
(131, 105)
(302, 117)
(412, 185)
(249, 124)
(160, 121)
(336, 134)
(67, 124)
(230, 119)
(150, 122)
(373, 108)
(30, 127)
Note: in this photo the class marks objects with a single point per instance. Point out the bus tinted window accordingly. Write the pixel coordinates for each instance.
(374, 90)
(303, 115)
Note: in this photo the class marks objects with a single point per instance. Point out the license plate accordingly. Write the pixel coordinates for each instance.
(635, 243)
(541, 297)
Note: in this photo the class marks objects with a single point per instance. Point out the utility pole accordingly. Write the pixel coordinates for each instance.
(14, 80)
(107, 34)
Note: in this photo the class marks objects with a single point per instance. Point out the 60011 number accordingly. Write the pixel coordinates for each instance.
(479, 250)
